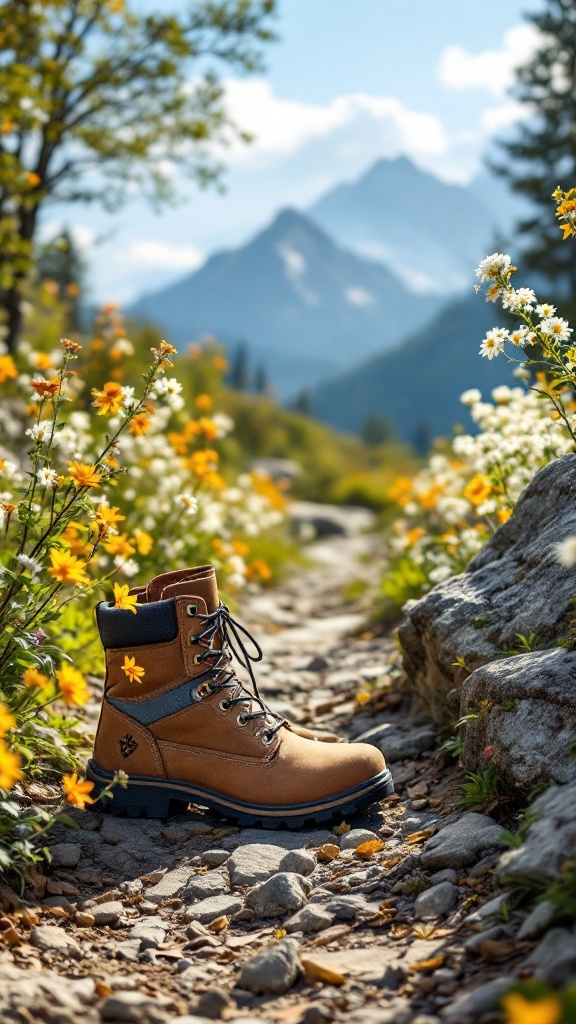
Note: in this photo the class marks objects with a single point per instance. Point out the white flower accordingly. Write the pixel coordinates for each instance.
(124, 346)
(47, 477)
(441, 573)
(29, 563)
(470, 397)
(557, 328)
(39, 432)
(566, 552)
(519, 300)
(521, 336)
(188, 502)
(545, 310)
(128, 567)
(494, 342)
(224, 423)
(493, 266)
(128, 396)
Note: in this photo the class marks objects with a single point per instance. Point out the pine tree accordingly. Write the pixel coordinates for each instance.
(542, 153)
(239, 372)
(61, 261)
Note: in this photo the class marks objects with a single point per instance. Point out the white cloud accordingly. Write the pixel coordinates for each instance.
(358, 297)
(281, 127)
(152, 255)
(494, 119)
(491, 70)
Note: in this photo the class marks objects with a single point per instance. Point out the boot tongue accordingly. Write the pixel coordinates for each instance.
(199, 582)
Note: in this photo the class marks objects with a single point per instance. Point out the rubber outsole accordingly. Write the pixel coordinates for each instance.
(158, 798)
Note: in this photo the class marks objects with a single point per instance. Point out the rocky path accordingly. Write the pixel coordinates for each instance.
(376, 920)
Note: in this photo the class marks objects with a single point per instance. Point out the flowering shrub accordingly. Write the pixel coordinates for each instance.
(101, 487)
(470, 487)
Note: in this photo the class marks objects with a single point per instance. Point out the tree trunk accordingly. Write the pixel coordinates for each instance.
(12, 298)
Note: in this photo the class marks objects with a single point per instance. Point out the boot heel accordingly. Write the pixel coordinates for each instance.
(136, 800)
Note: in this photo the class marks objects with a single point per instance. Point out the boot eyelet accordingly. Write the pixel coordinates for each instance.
(192, 610)
(197, 659)
(242, 719)
(193, 639)
(225, 705)
(267, 738)
(204, 690)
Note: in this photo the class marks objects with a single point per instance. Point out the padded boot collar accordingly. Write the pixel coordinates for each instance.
(198, 582)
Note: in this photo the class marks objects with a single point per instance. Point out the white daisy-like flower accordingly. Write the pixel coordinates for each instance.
(519, 300)
(47, 477)
(29, 563)
(556, 328)
(493, 266)
(545, 310)
(470, 397)
(494, 342)
(39, 432)
(188, 502)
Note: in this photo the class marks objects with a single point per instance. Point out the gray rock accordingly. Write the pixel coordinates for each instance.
(350, 840)
(215, 906)
(549, 839)
(538, 920)
(462, 842)
(148, 933)
(169, 885)
(211, 884)
(347, 908)
(52, 939)
(446, 875)
(311, 918)
(213, 1002)
(287, 840)
(273, 970)
(107, 913)
(214, 858)
(258, 861)
(554, 959)
(436, 901)
(398, 745)
(281, 893)
(530, 719)
(506, 590)
(397, 1011)
(130, 1008)
(488, 911)
(469, 1006)
(66, 855)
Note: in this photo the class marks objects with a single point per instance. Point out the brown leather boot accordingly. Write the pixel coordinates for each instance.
(187, 730)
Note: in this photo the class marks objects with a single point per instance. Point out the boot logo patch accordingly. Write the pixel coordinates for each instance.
(127, 745)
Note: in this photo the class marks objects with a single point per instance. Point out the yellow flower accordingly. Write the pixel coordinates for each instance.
(139, 424)
(132, 670)
(477, 490)
(33, 179)
(260, 568)
(72, 686)
(9, 767)
(32, 677)
(503, 515)
(84, 475)
(41, 361)
(220, 363)
(166, 349)
(7, 721)
(77, 790)
(107, 517)
(144, 542)
(66, 568)
(46, 388)
(547, 1010)
(8, 369)
(203, 402)
(401, 490)
(109, 400)
(208, 428)
(119, 545)
(123, 599)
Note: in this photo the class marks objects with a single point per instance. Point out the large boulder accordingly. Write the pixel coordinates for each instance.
(515, 585)
(549, 840)
(526, 718)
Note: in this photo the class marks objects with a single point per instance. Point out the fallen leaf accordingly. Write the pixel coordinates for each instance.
(400, 931)
(363, 698)
(56, 911)
(341, 828)
(36, 880)
(369, 848)
(280, 933)
(332, 934)
(292, 1013)
(492, 949)
(8, 934)
(328, 852)
(220, 924)
(391, 862)
(428, 965)
(28, 917)
(424, 931)
(83, 919)
(315, 971)
(419, 837)
(103, 989)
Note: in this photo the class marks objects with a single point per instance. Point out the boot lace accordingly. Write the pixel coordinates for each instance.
(222, 673)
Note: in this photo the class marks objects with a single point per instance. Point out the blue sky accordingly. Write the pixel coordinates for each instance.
(348, 82)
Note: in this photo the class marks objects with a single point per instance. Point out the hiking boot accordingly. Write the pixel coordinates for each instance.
(182, 725)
